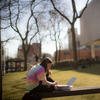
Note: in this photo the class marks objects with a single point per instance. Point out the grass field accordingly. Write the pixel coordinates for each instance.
(14, 83)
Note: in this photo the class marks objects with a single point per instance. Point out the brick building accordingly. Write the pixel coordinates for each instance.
(82, 54)
(35, 49)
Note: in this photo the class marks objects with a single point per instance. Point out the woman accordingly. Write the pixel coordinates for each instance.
(38, 79)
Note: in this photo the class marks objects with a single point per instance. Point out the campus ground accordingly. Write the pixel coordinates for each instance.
(14, 83)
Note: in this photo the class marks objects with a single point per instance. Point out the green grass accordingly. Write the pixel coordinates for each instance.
(14, 83)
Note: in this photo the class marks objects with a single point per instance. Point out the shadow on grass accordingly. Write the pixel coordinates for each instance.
(92, 69)
(20, 85)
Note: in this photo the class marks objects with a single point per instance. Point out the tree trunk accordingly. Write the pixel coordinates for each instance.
(25, 62)
(74, 49)
(0, 63)
(56, 56)
(25, 47)
(25, 56)
(59, 52)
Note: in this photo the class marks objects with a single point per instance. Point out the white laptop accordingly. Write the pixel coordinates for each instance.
(68, 86)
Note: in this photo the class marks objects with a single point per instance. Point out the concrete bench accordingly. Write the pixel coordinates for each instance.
(72, 92)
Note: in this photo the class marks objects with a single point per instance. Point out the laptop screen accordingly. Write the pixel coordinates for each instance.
(70, 82)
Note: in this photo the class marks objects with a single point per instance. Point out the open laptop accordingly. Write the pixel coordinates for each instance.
(70, 82)
(68, 86)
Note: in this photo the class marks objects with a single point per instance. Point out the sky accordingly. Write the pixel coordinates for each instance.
(48, 47)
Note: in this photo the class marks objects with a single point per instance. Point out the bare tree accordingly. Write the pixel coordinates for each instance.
(75, 16)
(55, 31)
(53, 36)
(3, 7)
(26, 38)
(59, 41)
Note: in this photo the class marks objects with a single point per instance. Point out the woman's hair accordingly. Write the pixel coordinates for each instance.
(45, 61)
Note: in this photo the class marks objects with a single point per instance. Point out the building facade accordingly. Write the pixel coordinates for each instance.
(81, 54)
(90, 23)
(90, 26)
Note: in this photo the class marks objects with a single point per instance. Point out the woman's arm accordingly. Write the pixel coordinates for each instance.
(45, 82)
(42, 77)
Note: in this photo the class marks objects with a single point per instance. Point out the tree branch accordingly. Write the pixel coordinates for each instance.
(4, 27)
(83, 9)
(10, 15)
(27, 27)
(60, 12)
(36, 21)
(11, 38)
(75, 14)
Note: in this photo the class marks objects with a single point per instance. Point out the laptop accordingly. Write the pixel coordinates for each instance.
(68, 86)
(70, 82)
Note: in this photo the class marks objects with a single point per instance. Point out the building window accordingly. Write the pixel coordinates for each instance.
(66, 53)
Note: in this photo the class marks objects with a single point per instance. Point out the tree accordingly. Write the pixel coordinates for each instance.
(75, 16)
(3, 7)
(0, 62)
(55, 31)
(27, 37)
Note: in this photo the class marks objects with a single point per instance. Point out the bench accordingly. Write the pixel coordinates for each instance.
(72, 92)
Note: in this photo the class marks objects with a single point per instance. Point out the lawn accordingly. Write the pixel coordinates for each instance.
(14, 83)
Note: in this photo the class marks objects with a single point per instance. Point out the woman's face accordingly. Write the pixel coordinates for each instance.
(49, 66)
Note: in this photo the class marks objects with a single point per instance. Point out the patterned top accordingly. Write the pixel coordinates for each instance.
(35, 74)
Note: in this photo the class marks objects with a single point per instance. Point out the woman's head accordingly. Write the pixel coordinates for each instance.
(46, 63)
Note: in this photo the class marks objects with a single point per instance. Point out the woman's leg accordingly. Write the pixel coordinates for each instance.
(42, 88)
(31, 96)
(45, 88)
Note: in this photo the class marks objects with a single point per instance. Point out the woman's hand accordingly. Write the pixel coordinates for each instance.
(55, 83)
(50, 73)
